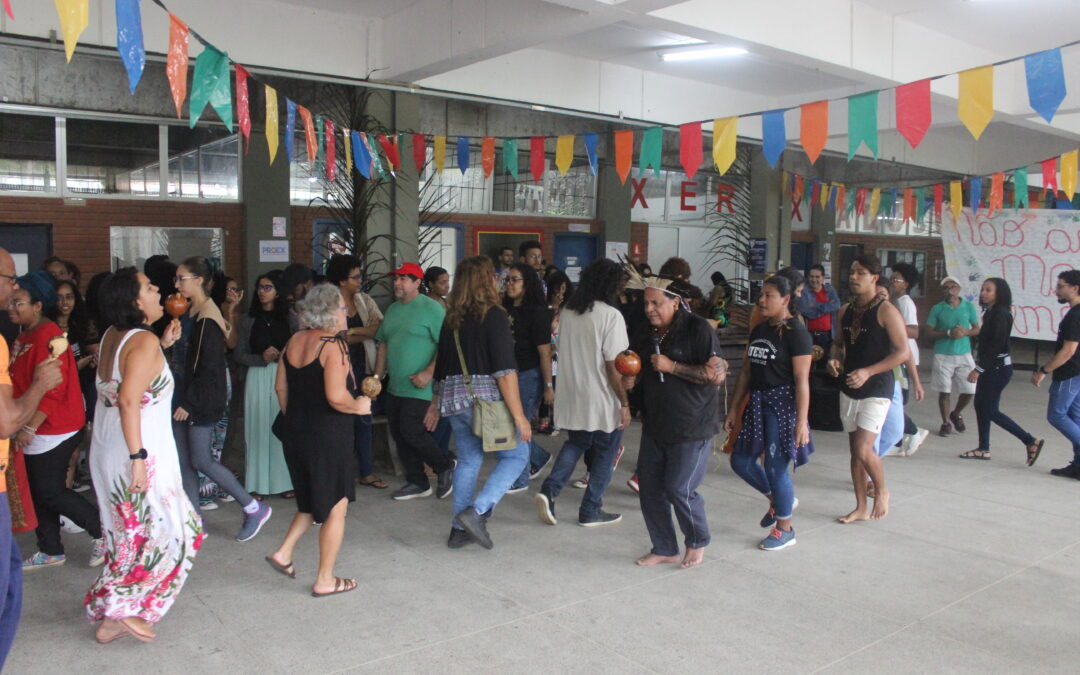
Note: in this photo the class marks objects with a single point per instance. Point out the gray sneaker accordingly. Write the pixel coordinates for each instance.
(253, 522)
(411, 491)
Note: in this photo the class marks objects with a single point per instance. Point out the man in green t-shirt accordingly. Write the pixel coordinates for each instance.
(951, 323)
(408, 338)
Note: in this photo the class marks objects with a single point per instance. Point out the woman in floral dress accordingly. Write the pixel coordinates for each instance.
(152, 532)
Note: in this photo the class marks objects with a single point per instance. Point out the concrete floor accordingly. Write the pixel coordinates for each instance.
(976, 569)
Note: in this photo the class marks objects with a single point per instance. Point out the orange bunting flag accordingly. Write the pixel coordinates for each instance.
(956, 199)
(975, 105)
(939, 199)
(74, 18)
(690, 152)
(309, 135)
(997, 192)
(564, 153)
(271, 119)
(439, 146)
(841, 193)
(487, 155)
(909, 204)
(346, 139)
(798, 189)
(1068, 173)
(176, 66)
(724, 132)
(814, 128)
(624, 153)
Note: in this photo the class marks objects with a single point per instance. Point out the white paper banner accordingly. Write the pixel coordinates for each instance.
(1028, 249)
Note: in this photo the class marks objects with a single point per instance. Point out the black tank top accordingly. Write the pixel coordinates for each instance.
(866, 342)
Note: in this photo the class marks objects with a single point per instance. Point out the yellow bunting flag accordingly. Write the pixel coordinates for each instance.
(875, 202)
(956, 199)
(74, 18)
(440, 153)
(723, 142)
(271, 121)
(346, 135)
(564, 153)
(975, 106)
(823, 195)
(785, 183)
(1068, 173)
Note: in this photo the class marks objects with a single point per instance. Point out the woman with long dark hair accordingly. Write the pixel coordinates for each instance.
(477, 331)
(204, 397)
(775, 424)
(262, 334)
(437, 283)
(993, 370)
(559, 291)
(71, 316)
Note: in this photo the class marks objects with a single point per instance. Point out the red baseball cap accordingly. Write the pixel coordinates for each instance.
(409, 269)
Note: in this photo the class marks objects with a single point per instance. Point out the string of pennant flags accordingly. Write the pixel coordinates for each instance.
(376, 155)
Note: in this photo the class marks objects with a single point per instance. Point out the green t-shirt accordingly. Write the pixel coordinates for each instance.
(411, 333)
(945, 317)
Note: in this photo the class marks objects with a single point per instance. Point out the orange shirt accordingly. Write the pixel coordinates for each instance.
(5, 378)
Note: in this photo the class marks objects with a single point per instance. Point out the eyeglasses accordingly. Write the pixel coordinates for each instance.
(357, 277)
(15, 304)
(177, 280)
(514, 280)
(266, 287)
(10, 276)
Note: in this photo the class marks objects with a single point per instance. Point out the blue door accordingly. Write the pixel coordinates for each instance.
(574, 251)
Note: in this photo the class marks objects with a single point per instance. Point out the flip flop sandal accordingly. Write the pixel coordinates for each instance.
(340, 586)
(377, 483)
(1034, 456)
(142, 637)
(287, 570)
(123, 632)
(970, 455)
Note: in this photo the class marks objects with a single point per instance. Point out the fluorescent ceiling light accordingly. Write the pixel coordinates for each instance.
(707, 53)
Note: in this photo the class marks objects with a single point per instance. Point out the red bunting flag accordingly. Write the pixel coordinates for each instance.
(939, 199)
(176, 66)
(243, 103)
(860, 201)
(815, 193)
(814, 128)
(309, 134)
(797, 190)
(419, 151)
(537, 160)
(913, 113)
(909, 204)
(841, 193)
(997, 192)
(487, 155)
(1049, 171)
(331, 151)
(690, 152)
(624, 153)
(7, 8)
(390, 149)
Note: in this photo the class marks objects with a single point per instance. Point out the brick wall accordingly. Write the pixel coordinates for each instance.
(81, 233)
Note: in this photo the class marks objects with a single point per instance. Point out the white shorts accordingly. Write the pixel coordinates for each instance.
(863, 413)
(950, 369)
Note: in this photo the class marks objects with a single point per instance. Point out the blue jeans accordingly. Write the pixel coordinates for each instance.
(10, 582)
(988, 407)
(470, 452)
(604, 445)
(531, 390)
(772, 480)
(442, 436)
(1063, 411)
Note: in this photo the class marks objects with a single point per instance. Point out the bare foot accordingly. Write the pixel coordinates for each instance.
(881, 505)
(650, 559)
(857, 514)
(109, 630)
(694, 556)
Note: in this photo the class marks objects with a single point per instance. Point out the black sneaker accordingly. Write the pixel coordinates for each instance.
(458, 538)
(411, 491)
(444, 486)
(1070, 471)
(534, 469)
(957, 421)
(476, 527)
(601, 517)
(545, 507)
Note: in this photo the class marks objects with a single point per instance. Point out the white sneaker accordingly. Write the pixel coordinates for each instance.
(67, 526)
(581, 483)
(917, 440)
(97, 555)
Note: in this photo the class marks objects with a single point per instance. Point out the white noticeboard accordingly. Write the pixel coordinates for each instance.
(614, 249)
(273, 251)
(278, 225)
(574, 274)
(22, 263)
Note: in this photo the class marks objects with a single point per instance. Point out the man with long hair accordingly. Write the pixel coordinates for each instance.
(590, 402)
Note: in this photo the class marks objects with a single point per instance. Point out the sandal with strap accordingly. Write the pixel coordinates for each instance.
(374, 482)
(1033, 451)
(340, 586)
(975, 454)
(286, 569)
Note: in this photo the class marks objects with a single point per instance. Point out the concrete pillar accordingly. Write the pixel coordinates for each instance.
(823, 227)
(613, 205)
(264, 189)
(765, 206)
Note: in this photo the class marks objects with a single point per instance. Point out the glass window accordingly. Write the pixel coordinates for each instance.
(452, 190)
(304, 183)
(133, 245)
(891, 256)
(204, 162)
(520, 195)
(689, 198)
(27, 153)
(572, 194)
(101, 155)
(648, 196)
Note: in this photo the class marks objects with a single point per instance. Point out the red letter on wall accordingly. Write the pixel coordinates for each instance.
(639, 192)
(724, 195)
(684, 193)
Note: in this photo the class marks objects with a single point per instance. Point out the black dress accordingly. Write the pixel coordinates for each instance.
(318, 440)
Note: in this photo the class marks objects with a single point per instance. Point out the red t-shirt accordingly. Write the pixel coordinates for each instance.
(63, 405)
(823, 322)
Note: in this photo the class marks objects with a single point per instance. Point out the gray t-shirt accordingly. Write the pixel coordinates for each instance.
(584, 400)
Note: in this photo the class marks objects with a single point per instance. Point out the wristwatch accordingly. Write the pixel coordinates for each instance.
(1042, 369)
(141, 454)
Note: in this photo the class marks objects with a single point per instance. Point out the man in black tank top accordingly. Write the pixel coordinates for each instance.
(872, 341)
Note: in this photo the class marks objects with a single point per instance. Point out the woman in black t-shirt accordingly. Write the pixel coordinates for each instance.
(776, 371)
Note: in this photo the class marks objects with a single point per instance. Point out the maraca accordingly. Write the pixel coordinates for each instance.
(628, 363)
(58, 345)
(176, 305)
(371, 386)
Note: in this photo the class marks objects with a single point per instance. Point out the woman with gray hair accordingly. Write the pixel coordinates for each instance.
(317, 432)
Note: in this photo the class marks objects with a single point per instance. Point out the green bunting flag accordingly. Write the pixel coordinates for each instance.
(920, 203)
(212, 84)
(652, 142)
(1020, 188)
(862, 123)
(510, 157)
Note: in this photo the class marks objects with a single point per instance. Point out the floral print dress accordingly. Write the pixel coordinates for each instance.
(151, 538)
